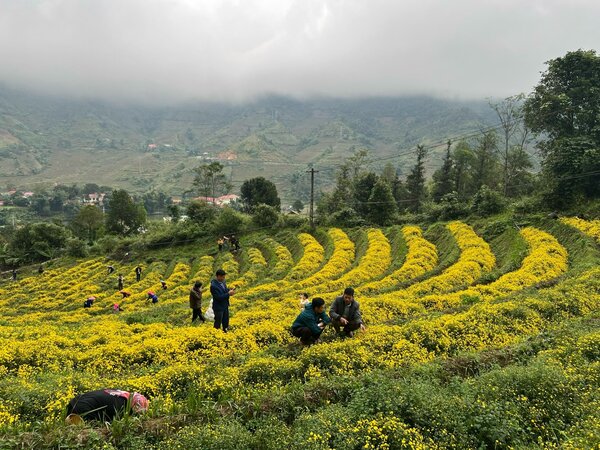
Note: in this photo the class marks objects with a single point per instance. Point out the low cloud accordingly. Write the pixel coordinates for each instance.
(169, 51)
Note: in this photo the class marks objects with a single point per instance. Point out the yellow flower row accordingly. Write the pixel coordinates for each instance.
(421, 257)
(205, 271)
(547, 259)
(373, 264)
(284, 258)
(258, 264)
(311, 259)
(476, 258)
(591, 227)
(340, 261)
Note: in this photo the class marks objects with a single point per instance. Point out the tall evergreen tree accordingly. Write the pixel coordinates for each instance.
(443, 177)
(361, 192)
(415, 181)
(382, 205)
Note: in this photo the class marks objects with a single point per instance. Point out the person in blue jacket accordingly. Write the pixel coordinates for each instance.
(220, 295)
(310, 323)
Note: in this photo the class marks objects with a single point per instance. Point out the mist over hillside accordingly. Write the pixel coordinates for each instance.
(47, 140)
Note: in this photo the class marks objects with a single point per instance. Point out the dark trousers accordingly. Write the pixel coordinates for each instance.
(222, 317)
(305, 334)
(138, 276)
(350, 326)
(197, 314)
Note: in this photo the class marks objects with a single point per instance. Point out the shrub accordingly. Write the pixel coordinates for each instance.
(346, 217)
(77, 248)
(487, 202)
(229, 221)
(264, 216)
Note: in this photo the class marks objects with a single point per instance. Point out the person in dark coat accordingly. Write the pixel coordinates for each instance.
(196, 302)
(104, 405)
(138, 273)
(310, 323)
(120, 282)
(89, 302)
(220, 294)
(14, 274)
(111, 269)
(345, 312)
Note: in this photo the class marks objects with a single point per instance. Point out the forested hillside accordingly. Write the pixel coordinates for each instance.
(45, 140)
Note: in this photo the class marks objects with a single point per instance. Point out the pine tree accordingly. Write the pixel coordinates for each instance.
(443, 177)
(415, 181)
(382, 205)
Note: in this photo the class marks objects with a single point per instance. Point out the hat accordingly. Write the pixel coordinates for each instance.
(150, 292)
(92, 298)
(139, 403)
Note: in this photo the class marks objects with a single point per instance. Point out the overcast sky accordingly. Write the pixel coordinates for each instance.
(178, 50)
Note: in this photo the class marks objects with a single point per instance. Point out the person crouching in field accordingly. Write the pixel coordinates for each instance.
(104, 405)
(345, 312)
(310, 323)
(89, 302)
(196, 302)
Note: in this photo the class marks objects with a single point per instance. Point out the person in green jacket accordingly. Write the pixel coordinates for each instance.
(310, 323)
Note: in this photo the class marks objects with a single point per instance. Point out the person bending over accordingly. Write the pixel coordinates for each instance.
(104, 405)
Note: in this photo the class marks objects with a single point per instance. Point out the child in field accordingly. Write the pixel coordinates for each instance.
(303, 299)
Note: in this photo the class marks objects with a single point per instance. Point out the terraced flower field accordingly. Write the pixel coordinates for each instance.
(470, 344)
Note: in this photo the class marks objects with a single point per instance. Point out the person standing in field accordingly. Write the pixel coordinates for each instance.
(120, 282)
(196, 302)
(345, 312)
(138, 273)
(14, 274)
(220, 294)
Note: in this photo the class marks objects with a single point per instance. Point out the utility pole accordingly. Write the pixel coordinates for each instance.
(312, 172)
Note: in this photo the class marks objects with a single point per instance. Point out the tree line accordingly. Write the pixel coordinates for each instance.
(484, 173)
